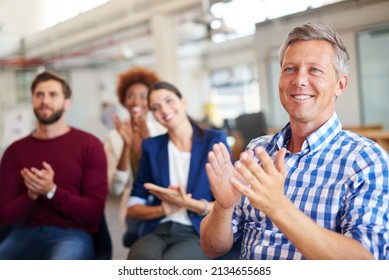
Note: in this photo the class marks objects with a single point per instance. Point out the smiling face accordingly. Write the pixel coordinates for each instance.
(167, 108)
(308, 84)
(49, 102)
(136, 100)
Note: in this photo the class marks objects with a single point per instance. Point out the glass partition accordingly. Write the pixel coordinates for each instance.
(373, 58)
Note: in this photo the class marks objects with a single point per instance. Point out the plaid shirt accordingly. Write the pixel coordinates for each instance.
(339, 179)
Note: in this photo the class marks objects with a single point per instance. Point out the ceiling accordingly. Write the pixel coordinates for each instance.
(120, 31)
(112, 33)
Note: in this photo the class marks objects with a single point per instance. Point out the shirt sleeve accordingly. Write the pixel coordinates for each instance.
(134, 200)
(119, 181)
(366, 208)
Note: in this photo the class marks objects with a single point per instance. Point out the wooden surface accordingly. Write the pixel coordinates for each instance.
(374, 132)
(379, 136)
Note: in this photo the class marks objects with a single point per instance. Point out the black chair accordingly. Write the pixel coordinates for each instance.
(4, 231)
(102, 242)
(251, 126)
(133, 232)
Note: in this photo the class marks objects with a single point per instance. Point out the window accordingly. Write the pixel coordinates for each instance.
(24, 79)
(255, 11)
(373, 55)
(23, 82)
(234, 91)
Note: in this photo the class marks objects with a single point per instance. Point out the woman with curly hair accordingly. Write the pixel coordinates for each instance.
(123, 145)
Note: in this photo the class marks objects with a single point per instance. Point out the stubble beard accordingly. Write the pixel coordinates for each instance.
(51, 119)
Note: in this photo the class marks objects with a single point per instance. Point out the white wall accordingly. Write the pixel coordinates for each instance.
(85, 111)
(7, 87)
(18, 18)
(192, 86)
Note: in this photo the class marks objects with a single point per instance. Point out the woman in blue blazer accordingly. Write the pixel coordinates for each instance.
(171, 193)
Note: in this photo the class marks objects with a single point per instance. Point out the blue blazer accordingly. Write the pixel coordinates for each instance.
(154, 168)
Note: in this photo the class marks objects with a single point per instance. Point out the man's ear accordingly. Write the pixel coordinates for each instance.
(68, 104)
(342, 85)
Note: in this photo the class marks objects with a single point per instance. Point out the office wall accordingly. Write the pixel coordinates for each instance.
(347, 19)
(7, 103)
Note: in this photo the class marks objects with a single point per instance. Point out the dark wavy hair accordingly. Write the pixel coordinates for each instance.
(134, 75)
(51, 75)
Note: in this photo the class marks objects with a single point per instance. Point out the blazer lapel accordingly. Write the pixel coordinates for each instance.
(163, 160)
(195, 161)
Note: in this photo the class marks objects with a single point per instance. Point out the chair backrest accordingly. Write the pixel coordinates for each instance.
(251, 126)
(102, 242)
(134, 231)
(4, 231)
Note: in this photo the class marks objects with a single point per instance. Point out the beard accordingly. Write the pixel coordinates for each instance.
(46, 120)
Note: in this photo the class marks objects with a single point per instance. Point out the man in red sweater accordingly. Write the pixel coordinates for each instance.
(53, 183)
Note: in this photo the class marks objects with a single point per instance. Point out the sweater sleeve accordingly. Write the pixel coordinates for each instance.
(87, 206)
(15, 204)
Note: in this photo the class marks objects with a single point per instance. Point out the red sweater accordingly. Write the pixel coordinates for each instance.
(80, 168)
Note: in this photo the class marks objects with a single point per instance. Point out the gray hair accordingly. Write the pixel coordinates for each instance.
(316, 31)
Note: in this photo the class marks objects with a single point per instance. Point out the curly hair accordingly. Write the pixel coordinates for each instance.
(134, 75)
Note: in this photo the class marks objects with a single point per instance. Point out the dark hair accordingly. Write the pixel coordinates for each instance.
(134, 75)
(316, 31)
(51, 75)
(165, 85)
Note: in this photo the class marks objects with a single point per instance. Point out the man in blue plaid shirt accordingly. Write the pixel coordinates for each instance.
(313, 190)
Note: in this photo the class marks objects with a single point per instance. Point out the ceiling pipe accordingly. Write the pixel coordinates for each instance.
(79, 52)
(21, 62)
(53, 41)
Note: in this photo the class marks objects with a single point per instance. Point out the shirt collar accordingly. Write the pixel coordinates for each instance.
(316, 140)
